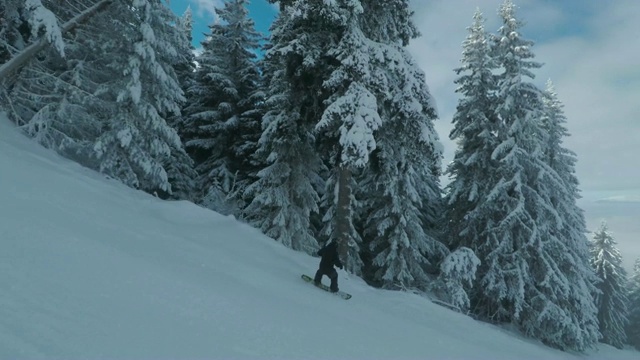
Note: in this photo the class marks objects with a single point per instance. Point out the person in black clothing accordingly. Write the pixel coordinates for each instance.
(329, 255)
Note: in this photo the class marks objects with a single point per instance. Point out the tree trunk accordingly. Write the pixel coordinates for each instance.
(30, 51)
(343, 213)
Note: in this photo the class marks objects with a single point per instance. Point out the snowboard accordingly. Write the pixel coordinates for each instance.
(324, 287)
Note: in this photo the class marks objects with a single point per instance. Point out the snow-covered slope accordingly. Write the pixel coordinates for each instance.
(90, 269)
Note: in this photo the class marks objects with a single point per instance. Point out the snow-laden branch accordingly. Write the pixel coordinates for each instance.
(27, 53)
(42, 18)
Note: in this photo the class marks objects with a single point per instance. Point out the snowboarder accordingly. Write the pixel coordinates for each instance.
(329, 254)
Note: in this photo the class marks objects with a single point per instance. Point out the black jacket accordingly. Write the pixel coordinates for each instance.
(330, 256)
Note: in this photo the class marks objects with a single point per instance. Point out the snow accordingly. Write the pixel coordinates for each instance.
(357, 109)
(92, 269)
(41, 17)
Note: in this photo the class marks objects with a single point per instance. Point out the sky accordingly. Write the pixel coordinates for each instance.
(203, 12)
(590, 49)
(92, 269)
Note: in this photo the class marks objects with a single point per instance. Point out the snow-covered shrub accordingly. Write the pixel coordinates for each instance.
(457, 273)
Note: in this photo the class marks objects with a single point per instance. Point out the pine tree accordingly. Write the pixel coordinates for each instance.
(43, 23)
(563, 162)
(223, 119)
(457, 274)
(611, 299)
(48, 96)
(186, 65)
(551, 273)
(180, 166)
(185, 71)
(106, 102)
(287, 191)
(348, 82)
(15, 35)
(104, 99)
(23, 24)
(14, 29)
(347, 126)
(42, 20)
(563, 197)
(633, 327)
(531, 274)
(400, 190)
(475, 129)
(136, 142)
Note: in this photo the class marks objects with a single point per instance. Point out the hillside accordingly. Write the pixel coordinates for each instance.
(90, 269)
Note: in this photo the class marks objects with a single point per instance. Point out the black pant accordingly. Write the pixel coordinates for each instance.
(331, 273)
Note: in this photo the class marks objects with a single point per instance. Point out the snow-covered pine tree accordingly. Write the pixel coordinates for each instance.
(25, 23)
(48, 98)
(46, 28)
(562, 161)
(222, 110)
(346, 129)
(179, 166)
(399, 189)
(105, 103)
(136, 141)
(186, 66)
(475, 126)
(14, 37)
(185, 70)
(346, 74)
(457, 274)
(564, 200)
(530, 274)
(14, 31)
(44, 22)
(287, 190)
(611, 299)
(180, 174)
(633, 327)
(26, 28)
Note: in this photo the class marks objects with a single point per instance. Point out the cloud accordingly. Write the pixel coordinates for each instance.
(206, 8)
(598, 79)
(590, 50)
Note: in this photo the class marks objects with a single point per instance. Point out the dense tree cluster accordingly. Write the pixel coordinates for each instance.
(512, 199)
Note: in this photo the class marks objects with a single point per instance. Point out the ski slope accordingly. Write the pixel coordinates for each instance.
(91, 269)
